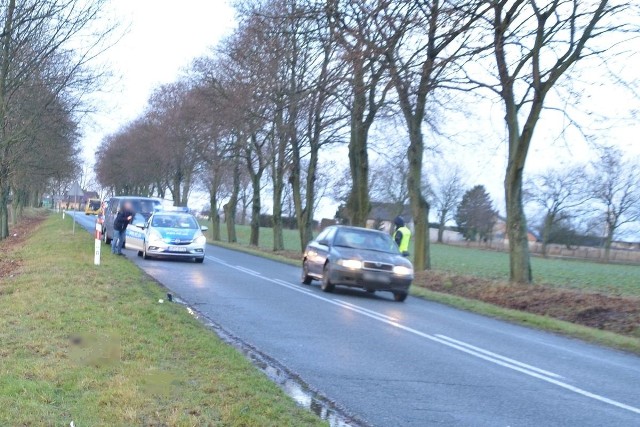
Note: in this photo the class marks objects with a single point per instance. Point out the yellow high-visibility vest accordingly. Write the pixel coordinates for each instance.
(406, 237)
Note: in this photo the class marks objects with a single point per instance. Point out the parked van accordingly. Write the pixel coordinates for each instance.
(93, 207)
(144, 206)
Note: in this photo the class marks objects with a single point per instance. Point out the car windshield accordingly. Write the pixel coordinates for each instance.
(365, 240)
(94, 204)
(145, 207)
(174, 221)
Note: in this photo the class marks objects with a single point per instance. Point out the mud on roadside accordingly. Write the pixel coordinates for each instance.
(611, 313)
(18, 234)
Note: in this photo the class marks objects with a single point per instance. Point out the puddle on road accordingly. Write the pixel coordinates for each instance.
(289, 382)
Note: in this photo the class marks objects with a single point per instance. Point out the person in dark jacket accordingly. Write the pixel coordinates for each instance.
(123, 218)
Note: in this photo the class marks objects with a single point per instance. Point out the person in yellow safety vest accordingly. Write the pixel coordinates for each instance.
(402, 236)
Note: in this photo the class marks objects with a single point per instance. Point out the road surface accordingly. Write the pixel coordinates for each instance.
(416, 363)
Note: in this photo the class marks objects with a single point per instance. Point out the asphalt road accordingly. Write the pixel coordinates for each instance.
(416, 363)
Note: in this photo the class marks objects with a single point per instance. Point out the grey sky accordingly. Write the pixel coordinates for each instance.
(165, 36)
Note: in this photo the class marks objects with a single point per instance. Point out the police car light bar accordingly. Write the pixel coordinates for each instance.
(184, 209)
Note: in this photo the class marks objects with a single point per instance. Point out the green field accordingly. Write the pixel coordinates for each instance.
(94, 345)
(609, 278)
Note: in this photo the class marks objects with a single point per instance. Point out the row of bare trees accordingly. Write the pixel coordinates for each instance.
(45, 49)
(299, 75)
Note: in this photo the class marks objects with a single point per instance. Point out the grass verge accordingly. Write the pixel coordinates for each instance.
(93, 345)
(537, 321)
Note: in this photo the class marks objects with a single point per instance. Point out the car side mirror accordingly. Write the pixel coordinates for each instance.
(204, 228)
(139, 225)
(323, 242)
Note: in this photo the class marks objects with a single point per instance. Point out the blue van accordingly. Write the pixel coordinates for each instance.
(144, 206)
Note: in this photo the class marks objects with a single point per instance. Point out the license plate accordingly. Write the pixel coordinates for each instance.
(376, 277)
(177, 249)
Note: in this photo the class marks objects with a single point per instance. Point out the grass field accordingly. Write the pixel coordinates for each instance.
(93, 345)
(609, 278)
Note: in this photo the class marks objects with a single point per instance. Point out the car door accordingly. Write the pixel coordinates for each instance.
(135, 233)
(321, 249)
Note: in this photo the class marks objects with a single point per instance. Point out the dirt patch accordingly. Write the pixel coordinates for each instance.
(611, 313)
(9, 262)
(294, 255)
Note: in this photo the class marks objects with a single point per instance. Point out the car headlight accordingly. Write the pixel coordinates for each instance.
(200, 240)
(401, 270)
(350, 263)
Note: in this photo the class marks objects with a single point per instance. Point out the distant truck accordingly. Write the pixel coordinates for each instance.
(93, 207)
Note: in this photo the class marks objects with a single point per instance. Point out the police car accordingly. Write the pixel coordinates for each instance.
(173, 233)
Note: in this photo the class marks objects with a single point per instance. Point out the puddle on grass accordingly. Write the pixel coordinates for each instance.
(289, 382)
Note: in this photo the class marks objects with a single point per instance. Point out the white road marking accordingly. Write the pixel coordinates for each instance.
(444, 340)
(393, 319)
(248, 270)
(497, 356)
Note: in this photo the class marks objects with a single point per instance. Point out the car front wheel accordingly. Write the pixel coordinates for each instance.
(145, 255)
(400, 296)
(326, 285)
(200, 260)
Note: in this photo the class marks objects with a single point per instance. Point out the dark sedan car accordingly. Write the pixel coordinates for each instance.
(357, 257)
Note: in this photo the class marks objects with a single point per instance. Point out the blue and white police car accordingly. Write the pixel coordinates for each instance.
(171, 233)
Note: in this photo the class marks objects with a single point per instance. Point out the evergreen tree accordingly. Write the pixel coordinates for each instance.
(476, 216)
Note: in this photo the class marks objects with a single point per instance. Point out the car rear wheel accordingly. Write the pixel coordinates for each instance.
(400, 296)
(306, 279)
(326, 285)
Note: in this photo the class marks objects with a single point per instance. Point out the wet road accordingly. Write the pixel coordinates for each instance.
(414, 364)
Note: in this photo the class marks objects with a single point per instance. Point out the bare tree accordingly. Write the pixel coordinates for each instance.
(445, 189)
(559, 192)
(616, 187)
(40, 46)
(429, 40)
(535, 44)
(363, 46)
(388, 181)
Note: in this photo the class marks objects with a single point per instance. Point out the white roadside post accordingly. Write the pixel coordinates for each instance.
(62, 213)
(98, 244)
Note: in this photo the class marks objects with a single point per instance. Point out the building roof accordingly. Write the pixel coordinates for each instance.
(382, 211)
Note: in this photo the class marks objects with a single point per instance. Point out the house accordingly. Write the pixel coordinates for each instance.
(500, 231)
(382, 215)
(75, 198)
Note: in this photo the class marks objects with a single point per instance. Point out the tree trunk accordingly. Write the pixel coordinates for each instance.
(278, 187)
(231, 206)
(546, 232)
(608, 240)
(186, 189)
(254, 239)
(441, 232)
(175, 191)
(310, 197)
(358, 203)
(419, 206)
(214, 215)
(519, 258)
(4, 211)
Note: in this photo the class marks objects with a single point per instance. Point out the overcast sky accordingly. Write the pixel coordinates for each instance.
(165, 36)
